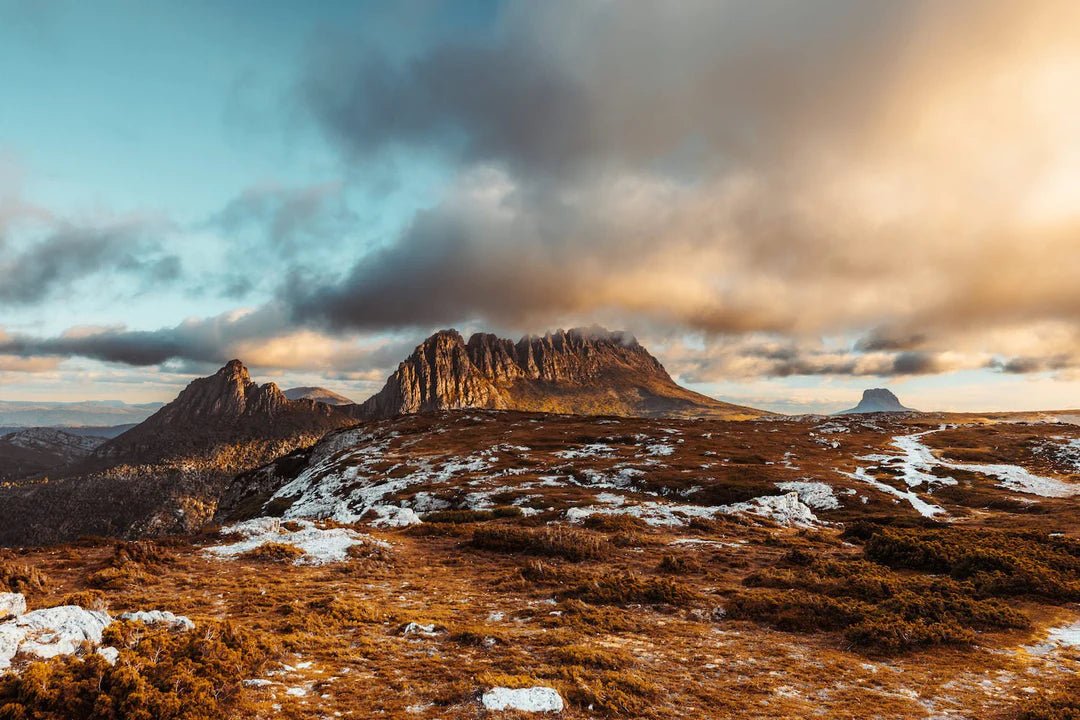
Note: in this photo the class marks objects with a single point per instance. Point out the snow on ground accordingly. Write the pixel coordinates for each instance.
(784, 509)
(534, 699)
(659, 449)
(787, 510)
(916, 462)
(921, 506)
(590, 450)
(1065, 636)
(817, 495)
(1065, 454)
(11, 605)
(345, 485)
(320, 545)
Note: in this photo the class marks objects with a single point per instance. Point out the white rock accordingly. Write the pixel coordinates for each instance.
(11, 605)
(160, 617)
(534, 699)
(110, 654)
(50, 632)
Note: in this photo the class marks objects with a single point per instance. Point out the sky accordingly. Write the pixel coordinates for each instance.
(786, 201)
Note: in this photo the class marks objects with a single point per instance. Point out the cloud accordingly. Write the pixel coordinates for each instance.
(772, 167)
(286, 219)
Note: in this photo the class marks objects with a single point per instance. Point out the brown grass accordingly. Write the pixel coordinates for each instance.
(160, 676)
(552, 541)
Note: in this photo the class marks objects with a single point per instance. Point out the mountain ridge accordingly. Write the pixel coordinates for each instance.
(582, 371)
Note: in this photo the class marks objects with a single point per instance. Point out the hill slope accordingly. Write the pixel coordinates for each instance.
(166, 474)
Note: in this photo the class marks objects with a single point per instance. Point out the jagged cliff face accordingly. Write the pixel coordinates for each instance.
(581, 371)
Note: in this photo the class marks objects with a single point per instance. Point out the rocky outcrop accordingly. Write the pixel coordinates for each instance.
(580, 371)
(875, 400)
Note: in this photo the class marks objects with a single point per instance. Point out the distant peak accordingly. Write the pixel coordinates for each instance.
(877, 400)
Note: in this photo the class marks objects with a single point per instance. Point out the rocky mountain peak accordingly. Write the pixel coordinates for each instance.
(581, 370)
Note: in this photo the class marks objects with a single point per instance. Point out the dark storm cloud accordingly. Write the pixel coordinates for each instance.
(203, 341)
(721, 167)
(69, 253)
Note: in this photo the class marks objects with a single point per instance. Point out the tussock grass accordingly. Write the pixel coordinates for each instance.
(19, 578)
(996, 563)
(877, 609)
(273, 552)
(631, 588)
(603, 658)
(551, 541)
(161, 675)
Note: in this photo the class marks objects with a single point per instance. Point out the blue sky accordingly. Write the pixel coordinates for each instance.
(756, 192)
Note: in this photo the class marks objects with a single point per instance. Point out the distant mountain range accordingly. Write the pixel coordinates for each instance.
(318, 394)
(74, 414)
(169, 472)
(877, 400)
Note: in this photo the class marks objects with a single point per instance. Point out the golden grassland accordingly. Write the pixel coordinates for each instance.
(885, 615)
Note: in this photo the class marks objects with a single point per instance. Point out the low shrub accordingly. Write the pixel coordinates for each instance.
(458, 516)
(551, 541)
(877, 609)
(21, 578)
(603, 658)
(273, 552)
(996, 563)
(160, 675)
(631, 588)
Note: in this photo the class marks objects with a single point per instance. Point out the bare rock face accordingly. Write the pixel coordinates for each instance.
(224, 407)
(580, 371)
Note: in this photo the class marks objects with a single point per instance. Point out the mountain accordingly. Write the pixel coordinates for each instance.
(39, 451)
(73, 414)
(318, 394)
(223, 409)
(584, 371)
(876, 400)
(166, 474)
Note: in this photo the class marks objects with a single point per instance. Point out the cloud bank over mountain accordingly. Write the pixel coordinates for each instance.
(773, 189)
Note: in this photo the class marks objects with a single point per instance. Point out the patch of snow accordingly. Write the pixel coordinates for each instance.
(320, 546)
(534, 699)
(394, 516)
(590, 450)
(787, 510)
(1067, 636)
(659, 449)
(921, 506)
(817, 495)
